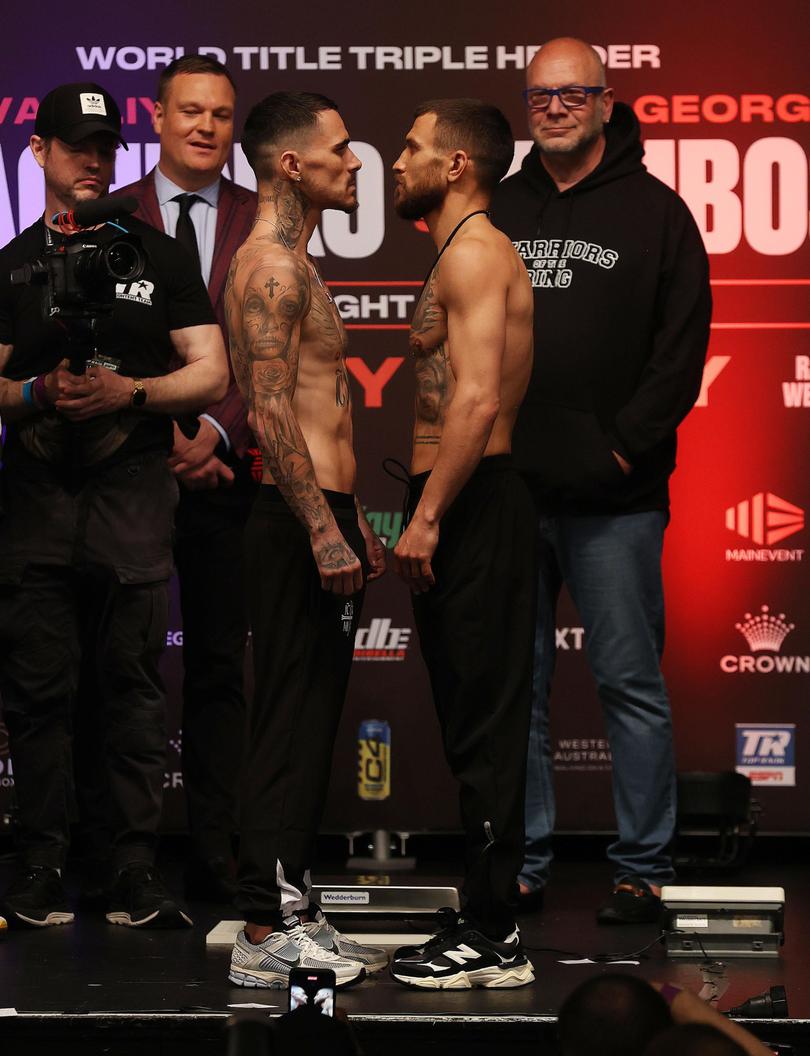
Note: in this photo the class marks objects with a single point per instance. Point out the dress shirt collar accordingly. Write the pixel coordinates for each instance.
(166, 190)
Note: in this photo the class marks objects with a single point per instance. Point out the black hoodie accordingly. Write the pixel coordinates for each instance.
(622, 306)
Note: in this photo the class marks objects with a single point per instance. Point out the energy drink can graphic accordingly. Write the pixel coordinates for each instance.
(374, 759)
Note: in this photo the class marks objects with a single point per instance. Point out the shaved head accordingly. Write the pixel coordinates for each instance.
(567, 50)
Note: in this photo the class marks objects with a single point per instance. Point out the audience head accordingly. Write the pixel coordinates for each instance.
(611, 1015)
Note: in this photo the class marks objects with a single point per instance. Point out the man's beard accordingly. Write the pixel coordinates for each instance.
(419, 202)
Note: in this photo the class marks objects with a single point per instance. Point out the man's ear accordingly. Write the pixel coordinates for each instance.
(458, 165)
(39, 148)
(157, 117)
(290, 163)
(607, 103)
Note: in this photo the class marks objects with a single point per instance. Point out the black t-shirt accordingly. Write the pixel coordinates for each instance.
(170, 295)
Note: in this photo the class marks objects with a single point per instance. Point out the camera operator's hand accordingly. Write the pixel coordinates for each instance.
(194, 463)
(56, 382)
(97, 391)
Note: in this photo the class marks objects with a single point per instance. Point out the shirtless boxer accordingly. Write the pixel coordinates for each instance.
(467, 550)
(309, 549)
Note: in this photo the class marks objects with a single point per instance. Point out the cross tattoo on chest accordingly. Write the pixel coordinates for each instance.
(270, 286)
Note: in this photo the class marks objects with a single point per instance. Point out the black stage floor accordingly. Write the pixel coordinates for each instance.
(95, 988)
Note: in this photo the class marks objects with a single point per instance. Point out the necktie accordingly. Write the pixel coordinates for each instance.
(184, 232)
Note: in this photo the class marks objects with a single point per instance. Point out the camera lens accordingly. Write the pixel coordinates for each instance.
(124, 261)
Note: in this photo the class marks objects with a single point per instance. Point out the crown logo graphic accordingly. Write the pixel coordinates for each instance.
(765, 631)
(765, 518)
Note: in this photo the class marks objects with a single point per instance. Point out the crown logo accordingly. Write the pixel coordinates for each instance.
(765, 631)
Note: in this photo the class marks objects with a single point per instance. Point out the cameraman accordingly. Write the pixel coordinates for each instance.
(86, 533)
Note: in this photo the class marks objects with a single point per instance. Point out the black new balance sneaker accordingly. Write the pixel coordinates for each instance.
(463, 958)
(140, 899)
(36, 899)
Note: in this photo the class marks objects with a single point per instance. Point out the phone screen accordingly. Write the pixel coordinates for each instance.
(313, 989)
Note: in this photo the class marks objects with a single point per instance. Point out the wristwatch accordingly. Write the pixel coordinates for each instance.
(138, 397)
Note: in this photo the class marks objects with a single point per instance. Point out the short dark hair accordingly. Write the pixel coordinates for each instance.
(694, 1039)
(611, 1015)
(191, 64)
(477, 128)
(279, 114)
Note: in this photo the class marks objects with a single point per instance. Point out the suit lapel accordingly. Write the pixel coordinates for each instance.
(149, 208)
(223, 250)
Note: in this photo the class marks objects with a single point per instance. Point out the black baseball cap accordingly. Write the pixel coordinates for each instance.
(73, 111)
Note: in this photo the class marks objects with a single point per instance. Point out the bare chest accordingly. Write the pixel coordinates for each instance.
(322, 330)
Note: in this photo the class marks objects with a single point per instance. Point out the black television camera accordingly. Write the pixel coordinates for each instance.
(79, 277)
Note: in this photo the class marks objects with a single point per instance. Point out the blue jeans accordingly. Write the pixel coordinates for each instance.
(612, 568)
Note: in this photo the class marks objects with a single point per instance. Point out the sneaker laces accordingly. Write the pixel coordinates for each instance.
(298, 934)
(448, 920)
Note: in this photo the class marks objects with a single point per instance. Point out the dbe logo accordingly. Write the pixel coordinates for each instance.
(766, 753)
(765, 634)
(765, 519)
(381, 641)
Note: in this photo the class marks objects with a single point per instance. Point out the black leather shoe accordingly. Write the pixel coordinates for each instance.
(632, 902)
(210, 881)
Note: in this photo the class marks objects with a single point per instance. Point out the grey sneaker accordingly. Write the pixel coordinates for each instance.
(329, 938)
(268, 963)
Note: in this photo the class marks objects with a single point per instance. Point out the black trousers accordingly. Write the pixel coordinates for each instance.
(209, 557)
(41, 621)
(303, 644)
(111, 605)
(476, 632)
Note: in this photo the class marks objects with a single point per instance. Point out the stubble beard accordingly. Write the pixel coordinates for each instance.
(419, 202)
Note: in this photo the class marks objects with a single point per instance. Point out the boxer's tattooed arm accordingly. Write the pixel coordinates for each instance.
(290, 205)
(432, 387)
(334, 555)
(275, 300)
(427, 315)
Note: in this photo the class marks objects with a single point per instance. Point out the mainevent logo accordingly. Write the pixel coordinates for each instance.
(381, 641)
(765, 519)
(765, 634)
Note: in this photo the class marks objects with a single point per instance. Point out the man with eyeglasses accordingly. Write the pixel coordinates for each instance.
(622, 311)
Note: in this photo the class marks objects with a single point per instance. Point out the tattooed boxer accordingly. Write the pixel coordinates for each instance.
(309, 549)
(467, 550)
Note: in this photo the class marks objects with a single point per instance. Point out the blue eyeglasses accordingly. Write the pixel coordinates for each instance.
(572, 97)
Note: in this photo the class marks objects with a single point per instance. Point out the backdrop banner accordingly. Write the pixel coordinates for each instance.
(725, 117)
